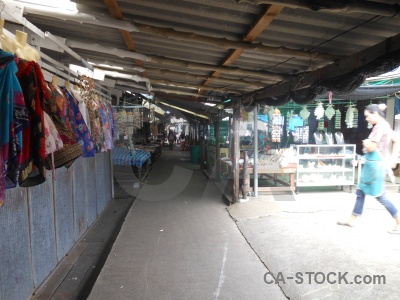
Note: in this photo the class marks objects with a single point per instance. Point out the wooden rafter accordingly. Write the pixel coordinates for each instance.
(256, 29)
(115, 11)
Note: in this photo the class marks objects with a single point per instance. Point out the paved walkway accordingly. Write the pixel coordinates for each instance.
(297, 234)
(179, 242)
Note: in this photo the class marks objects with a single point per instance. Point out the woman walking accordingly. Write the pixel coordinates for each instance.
(378, 160)
(182, 140)
(171, 139)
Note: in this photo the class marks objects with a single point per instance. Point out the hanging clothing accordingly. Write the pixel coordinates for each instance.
(82, 107)
(14, 119)
(2, 183)
(32, 83)
(95, 123)
(57, 108)
(111, 120)
(52, 137)
(107, 141)
(78, 124)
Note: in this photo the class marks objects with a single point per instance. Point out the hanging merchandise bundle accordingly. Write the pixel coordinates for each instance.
(44, 126)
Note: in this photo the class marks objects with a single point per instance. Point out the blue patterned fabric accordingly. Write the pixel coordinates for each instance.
(13, 119)
(82, 133)
(123, 156)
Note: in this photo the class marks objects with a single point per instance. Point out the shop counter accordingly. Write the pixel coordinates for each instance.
(270, 171)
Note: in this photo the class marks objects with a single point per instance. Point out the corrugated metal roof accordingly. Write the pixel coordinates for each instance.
(182, 63)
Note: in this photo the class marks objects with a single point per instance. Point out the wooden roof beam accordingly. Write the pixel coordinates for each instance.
(255, 30)
(115, 11)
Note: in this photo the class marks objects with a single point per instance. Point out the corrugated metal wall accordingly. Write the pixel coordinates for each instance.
(39, 225)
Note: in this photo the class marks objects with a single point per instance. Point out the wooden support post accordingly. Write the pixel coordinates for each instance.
(235, 150)
(246, 176)
(255, 151)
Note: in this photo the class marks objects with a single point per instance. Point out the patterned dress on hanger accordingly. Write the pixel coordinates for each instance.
(32, 83)
(56, 106)
(82, 133)
(111, 120)
(95, 123)
(107, 142)
(82, 107)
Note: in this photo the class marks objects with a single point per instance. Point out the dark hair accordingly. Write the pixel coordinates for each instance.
(379, 108)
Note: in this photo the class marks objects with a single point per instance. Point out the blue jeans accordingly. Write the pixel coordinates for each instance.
(359, 206)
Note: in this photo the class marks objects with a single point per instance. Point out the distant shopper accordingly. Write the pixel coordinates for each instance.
(182, 140)
(378, 161)
(171, 139)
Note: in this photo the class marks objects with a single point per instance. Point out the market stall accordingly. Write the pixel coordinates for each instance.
(139, 160)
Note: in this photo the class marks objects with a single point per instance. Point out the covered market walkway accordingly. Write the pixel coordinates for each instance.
(180, 240)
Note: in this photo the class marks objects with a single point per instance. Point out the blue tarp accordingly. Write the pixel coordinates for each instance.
(123, 156)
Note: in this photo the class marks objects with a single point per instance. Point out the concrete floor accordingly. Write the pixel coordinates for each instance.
(181, 240)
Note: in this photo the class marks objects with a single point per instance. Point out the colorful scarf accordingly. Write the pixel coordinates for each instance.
(14, 119)
(34, 150)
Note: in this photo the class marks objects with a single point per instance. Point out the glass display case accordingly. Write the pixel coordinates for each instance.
(325, 165)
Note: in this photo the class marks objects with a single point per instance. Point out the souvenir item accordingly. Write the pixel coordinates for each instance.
(338, 119)
(350, 116)
(329, 112)
(355, 117)
(304, 113)
(319, 111)
(276, 126)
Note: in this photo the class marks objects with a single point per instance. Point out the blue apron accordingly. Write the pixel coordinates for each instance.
(372, 176)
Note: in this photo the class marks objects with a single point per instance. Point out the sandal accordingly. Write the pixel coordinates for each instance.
(396, 230)
(346, 224)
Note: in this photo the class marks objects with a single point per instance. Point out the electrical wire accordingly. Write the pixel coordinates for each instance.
(347, 31)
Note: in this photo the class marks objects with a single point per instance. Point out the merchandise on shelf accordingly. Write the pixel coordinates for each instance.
(325, 165)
